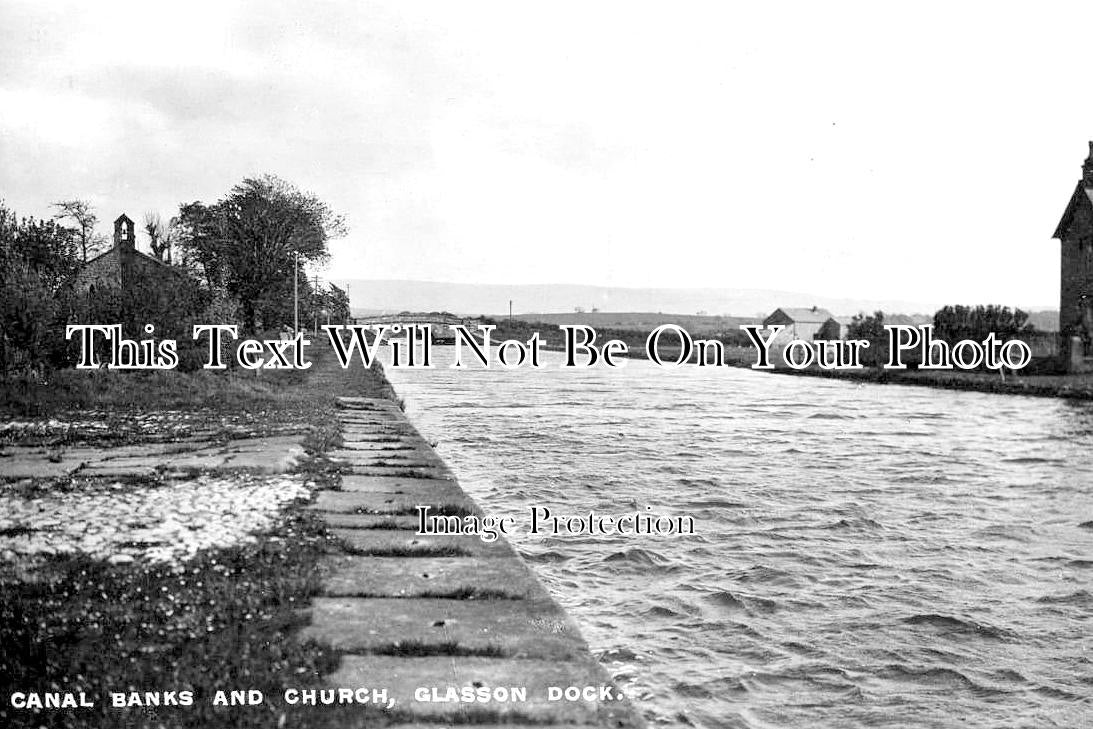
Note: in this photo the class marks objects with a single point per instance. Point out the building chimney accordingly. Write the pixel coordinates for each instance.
(1087, 169)
(123, 232)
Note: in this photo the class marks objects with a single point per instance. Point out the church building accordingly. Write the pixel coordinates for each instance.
(123, 266)
(1075, 233)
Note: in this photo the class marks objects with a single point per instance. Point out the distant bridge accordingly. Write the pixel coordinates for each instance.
(437, 320)
(439, 323)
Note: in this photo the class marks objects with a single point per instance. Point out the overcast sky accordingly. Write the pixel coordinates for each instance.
(921, 151)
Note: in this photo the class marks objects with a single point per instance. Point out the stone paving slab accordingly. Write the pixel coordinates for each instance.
(449, 725)
(384, 421)
(369, 446)
(365, 406)
(357, 441)
(34, 466)
(405, 676)
(388, 466)
(401, 443)
(351, 432)
(275, 454)
(370, 522)
(372, 426)
(477, 725)
(369, 415)
(122, 468)
(368, 403)
(422, 472)
(512, 628)
(361, 502)
(429, 490)
(44, 462)
(467, 597)
(269, 455)
(410, 456)
(412, 464)
(379, 440)
(381, 541)
(375, 427)
(369, 431)
(381, 456)
(350, 482)
(351, 576)
(390, 503)
(263, 455)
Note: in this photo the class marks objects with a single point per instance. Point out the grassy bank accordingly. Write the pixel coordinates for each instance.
(226, 619)
(1072, 386)
(1038, 379)
(71, 389)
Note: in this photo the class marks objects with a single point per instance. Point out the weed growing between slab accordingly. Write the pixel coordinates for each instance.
(222, 621)
(384, 522)
(323, 436)
(410, 551)
(417, 649)
(441, 510)
(470, 593)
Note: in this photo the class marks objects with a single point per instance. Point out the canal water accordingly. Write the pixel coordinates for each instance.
(864, 555)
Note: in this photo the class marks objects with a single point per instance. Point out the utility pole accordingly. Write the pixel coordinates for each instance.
(295, 293)
(314, 297)
(510, 311)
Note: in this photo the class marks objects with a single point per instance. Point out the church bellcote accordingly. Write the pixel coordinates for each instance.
(1087, 169)
(123, 226)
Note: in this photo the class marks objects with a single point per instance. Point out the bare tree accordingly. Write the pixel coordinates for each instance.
(160, 235)
(83, 216)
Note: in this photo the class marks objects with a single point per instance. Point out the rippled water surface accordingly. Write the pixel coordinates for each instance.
(865, 556)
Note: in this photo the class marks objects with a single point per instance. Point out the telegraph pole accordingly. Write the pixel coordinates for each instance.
(314, 296)
(295, 293)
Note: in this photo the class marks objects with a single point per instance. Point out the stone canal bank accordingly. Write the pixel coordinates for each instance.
(468, 618)
(150, 543)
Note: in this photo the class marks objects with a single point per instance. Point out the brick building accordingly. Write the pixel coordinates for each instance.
(1075, 233)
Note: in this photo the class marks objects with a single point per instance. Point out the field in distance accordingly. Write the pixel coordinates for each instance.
(640, 321)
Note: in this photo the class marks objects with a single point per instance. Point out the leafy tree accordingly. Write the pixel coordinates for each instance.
(172, 305)
(870, 328)
(333, 301)
(47, 248)
(248, 241)
(863, 326)
(27, 315)
(274, 307)
(954, 323)
(38, 263)
(337, 303)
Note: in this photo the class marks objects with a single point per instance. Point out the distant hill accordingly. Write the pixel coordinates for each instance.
(644, 321)
(386, 296)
